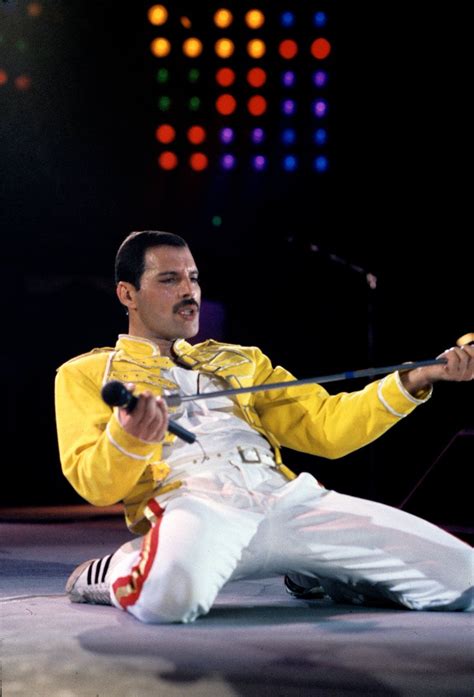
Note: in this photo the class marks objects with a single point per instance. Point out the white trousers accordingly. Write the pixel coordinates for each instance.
(245, 521)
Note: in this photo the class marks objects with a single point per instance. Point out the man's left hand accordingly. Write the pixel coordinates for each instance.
(459, 368)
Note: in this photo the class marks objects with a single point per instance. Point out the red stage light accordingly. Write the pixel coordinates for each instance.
(196, 134)
(256, 77)
(226, 104)
(288, 49)
(165, 133)
(257, 105)
(167, 160)
(198, 161)
(320, 48)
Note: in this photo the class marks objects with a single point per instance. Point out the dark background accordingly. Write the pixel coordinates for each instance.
(78, 173)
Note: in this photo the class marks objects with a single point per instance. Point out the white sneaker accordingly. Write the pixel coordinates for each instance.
(88, 582)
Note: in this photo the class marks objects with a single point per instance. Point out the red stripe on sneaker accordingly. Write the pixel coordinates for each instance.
(127, 589)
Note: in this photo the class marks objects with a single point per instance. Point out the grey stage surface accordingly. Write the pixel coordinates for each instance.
(256, 641)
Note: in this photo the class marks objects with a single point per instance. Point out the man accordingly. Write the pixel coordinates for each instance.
(226, 507)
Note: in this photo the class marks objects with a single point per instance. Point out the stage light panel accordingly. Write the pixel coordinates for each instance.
(251, 66)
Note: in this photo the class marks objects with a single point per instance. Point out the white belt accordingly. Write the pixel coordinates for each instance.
(249, 455)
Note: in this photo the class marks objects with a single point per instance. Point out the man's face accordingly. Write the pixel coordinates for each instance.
(167, 304)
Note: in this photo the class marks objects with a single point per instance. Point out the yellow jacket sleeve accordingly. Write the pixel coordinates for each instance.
(309, 419)
(98, 457)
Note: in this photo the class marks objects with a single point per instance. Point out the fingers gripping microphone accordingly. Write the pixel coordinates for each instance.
(115, 394)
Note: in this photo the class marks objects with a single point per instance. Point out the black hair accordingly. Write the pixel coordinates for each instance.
(130, 258)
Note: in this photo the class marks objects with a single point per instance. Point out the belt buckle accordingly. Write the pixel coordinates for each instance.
(249, 455)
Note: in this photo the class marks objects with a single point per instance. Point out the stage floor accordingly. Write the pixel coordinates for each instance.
(257, 641)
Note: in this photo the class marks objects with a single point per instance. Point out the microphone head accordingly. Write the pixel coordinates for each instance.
(115, 394)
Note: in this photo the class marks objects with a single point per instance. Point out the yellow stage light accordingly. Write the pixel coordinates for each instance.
(254, 19)
(224, 48)
(192, 47)
(223, 18)
(157, 15)
(256, 48)
(160, 47)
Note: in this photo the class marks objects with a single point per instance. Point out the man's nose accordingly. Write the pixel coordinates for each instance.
(187, 288)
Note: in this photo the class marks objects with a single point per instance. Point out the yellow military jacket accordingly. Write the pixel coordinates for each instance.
(105, 464)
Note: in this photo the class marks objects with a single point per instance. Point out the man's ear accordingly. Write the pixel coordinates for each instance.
(126, 294)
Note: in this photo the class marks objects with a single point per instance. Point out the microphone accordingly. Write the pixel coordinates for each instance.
(115, 394)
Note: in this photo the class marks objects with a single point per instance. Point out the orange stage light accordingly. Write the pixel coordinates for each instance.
(192, 47)
(224, 48)
(256, 48)
(160, 47)
(223, 18)
(157, 15)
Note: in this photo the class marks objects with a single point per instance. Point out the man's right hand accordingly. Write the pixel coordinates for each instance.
(149, 419)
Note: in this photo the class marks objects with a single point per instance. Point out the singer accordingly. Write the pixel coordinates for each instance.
(225, 506)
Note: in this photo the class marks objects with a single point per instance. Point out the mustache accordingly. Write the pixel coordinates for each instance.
(185, 303)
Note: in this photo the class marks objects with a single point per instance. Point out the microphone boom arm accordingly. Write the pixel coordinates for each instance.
(175, 399)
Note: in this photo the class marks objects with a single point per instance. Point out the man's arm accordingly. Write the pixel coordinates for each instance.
(311, 420)
(103, 452)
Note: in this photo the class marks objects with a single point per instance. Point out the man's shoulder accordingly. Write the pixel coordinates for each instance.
(219, 346)
(93, 357)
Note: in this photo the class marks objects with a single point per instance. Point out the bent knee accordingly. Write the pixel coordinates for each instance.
(180, 598)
